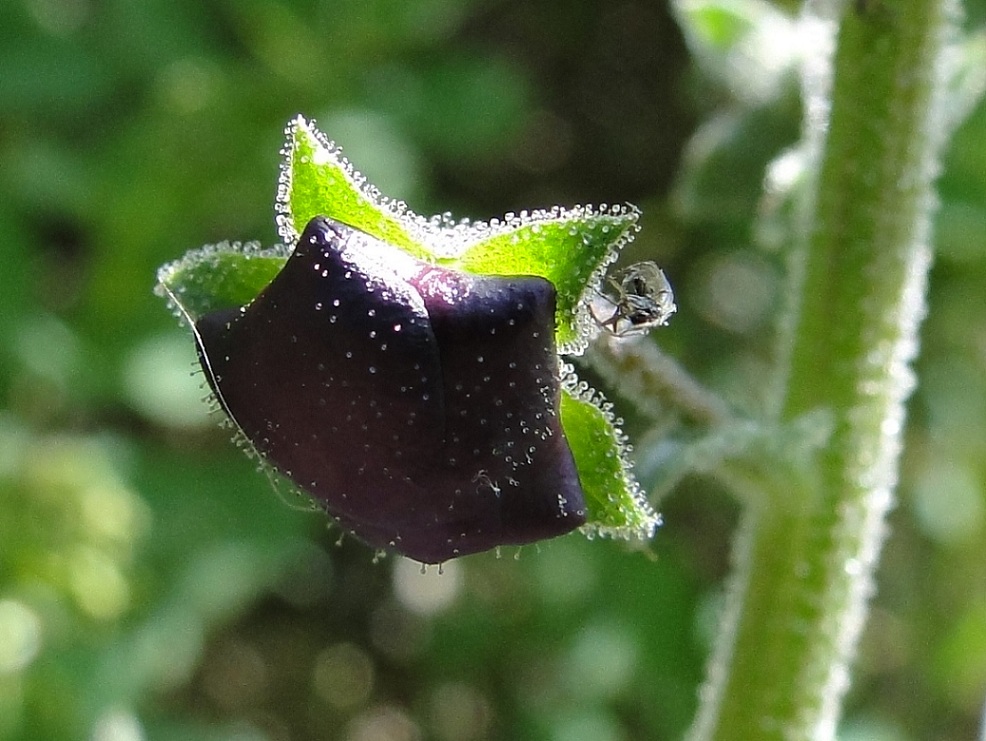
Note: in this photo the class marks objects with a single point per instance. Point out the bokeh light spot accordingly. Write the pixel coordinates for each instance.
(20, 636)
(602, 661)
(343, 675)
(159, 382)
(587, 726)
(736, 291)
(459, 712)
(948, 502)
(97, 584)
(238, 677)
(383, 723)
(426, 591)
(118, 725)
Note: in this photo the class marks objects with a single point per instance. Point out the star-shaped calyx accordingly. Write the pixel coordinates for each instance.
(405, 371)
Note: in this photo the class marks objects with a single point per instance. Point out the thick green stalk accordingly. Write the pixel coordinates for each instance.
(808, 547)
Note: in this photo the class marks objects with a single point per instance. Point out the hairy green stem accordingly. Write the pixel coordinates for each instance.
(806, 552)
(638, 370)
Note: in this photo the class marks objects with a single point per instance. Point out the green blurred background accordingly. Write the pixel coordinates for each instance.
(153, 585)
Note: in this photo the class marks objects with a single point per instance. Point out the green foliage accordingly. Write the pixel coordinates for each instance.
(107, 591)
(132, 131)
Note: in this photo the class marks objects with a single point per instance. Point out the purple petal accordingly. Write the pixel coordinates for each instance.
(418, 404)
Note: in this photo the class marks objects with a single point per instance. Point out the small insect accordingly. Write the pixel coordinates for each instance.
(643, 300)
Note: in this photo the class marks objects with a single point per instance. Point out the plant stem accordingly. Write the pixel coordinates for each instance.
(805, 557)
(638, 370)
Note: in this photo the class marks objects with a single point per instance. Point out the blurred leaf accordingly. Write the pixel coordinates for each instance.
(968, 78)
(959, 668)
(14, 291)
(724, 166)
(966, 159)
(60, 78)
(961, 231)
(717, 26)
(465, 103)
(108, 594)
(749, 46)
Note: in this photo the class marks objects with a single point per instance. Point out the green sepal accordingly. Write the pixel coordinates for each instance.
(220, 276)
(569, 247)
(616, 505)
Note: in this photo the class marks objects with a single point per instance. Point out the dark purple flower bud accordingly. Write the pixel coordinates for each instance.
(418, 404)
